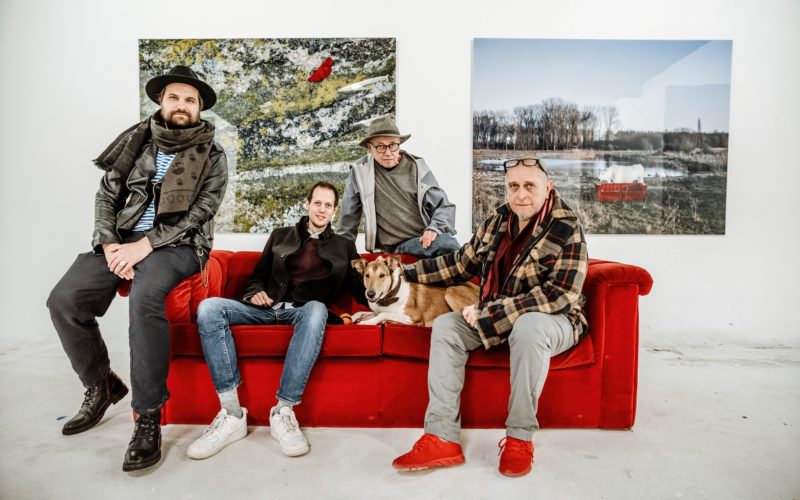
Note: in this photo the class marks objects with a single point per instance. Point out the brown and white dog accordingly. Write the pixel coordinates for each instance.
(392, 298)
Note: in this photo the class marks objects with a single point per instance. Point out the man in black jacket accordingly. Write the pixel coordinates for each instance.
(302, 270)
(163, 183)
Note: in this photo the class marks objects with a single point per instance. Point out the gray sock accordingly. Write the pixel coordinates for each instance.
(230, 402)
(281, 404)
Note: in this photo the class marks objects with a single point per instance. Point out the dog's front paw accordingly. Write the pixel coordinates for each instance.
(361, 316)
(374, 320)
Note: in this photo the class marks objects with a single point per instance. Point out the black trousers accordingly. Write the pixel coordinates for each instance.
(86, 291)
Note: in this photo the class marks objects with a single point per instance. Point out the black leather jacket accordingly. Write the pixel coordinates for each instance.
(120, 203)
(270, 274)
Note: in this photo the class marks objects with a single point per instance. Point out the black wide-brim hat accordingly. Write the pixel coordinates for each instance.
(181, 74)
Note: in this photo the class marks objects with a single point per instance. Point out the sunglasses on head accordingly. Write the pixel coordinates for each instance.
(525, 162)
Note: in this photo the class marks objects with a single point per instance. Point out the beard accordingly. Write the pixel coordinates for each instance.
(187, 120)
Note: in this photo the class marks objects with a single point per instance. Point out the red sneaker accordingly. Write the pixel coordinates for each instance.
(430, 451)
(516, 456)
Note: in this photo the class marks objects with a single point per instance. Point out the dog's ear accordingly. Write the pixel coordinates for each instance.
(359, 264)
(393, 262)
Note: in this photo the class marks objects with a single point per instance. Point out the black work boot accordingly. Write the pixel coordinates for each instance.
(96, 401)
(144, 449)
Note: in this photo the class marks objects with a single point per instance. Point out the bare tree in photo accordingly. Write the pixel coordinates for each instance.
(609, 118)
(588, 124)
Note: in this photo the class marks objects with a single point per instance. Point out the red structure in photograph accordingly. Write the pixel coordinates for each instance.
(621, 183)
(621, 191)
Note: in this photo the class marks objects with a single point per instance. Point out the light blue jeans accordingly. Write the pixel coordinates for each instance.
(215, 317)
(443, 244)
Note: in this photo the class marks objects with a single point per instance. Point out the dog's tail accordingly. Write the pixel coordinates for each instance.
(460, 296)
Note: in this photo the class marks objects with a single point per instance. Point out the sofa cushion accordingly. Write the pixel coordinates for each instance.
(273, 341)
(408, 341)
(240, 267)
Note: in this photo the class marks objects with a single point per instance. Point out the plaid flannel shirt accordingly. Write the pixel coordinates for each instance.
(547, 276)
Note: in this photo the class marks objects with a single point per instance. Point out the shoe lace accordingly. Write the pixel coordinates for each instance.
(91, 396)
(218, 422)
(514, 446)
(427, 441)
(145, 427)
(289, 422)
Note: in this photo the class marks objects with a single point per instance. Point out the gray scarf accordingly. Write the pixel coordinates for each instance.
(190, 166)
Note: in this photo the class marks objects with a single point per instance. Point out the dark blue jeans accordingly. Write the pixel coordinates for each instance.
(86, 291)
(215, 317)
(443, 244)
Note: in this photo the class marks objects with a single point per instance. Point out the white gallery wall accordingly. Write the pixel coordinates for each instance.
(69, 85)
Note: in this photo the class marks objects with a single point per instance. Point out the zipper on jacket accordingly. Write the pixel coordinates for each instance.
(171, 242)
(116, 216)
(148, 187)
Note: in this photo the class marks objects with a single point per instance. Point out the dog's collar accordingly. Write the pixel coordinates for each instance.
(391, 296)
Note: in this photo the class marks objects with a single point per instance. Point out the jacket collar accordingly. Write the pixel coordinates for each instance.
(302, 229)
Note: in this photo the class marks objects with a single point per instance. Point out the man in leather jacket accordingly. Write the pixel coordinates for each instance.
(163, 183)
(302, 270)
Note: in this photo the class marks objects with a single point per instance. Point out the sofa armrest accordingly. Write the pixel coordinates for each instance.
(604, 272)
(612, 308)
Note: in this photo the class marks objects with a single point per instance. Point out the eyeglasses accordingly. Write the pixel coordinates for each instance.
(526, 162)
(381, 148)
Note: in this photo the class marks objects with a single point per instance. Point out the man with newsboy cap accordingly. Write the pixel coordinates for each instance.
(405, 210)
(163, 181)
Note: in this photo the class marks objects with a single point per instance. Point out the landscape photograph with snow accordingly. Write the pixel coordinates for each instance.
(633, 133)
(290, 112)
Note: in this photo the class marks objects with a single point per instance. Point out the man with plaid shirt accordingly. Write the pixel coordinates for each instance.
(532, 261)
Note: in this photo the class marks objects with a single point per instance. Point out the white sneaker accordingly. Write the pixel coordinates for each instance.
(283, 427)
(224, 430)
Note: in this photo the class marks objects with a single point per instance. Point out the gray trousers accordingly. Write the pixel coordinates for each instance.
(86, 291)
(534, 338)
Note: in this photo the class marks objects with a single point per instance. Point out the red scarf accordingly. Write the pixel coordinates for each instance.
(508, 250)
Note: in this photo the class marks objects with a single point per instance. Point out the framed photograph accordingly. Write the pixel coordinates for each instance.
(288, 114)
(633, 133)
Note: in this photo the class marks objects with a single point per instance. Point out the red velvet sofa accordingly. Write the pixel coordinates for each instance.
(375, 376)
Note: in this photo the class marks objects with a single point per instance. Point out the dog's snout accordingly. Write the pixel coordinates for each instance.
(370, 294)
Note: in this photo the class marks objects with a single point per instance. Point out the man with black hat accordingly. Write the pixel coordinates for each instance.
(405, 210)
(164, 180)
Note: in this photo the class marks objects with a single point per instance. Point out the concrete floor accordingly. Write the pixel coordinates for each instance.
(714, 421)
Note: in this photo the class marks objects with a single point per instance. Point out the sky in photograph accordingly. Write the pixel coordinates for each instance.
(655, 84)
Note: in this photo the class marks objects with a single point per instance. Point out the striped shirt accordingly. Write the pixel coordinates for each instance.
(163, 161)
